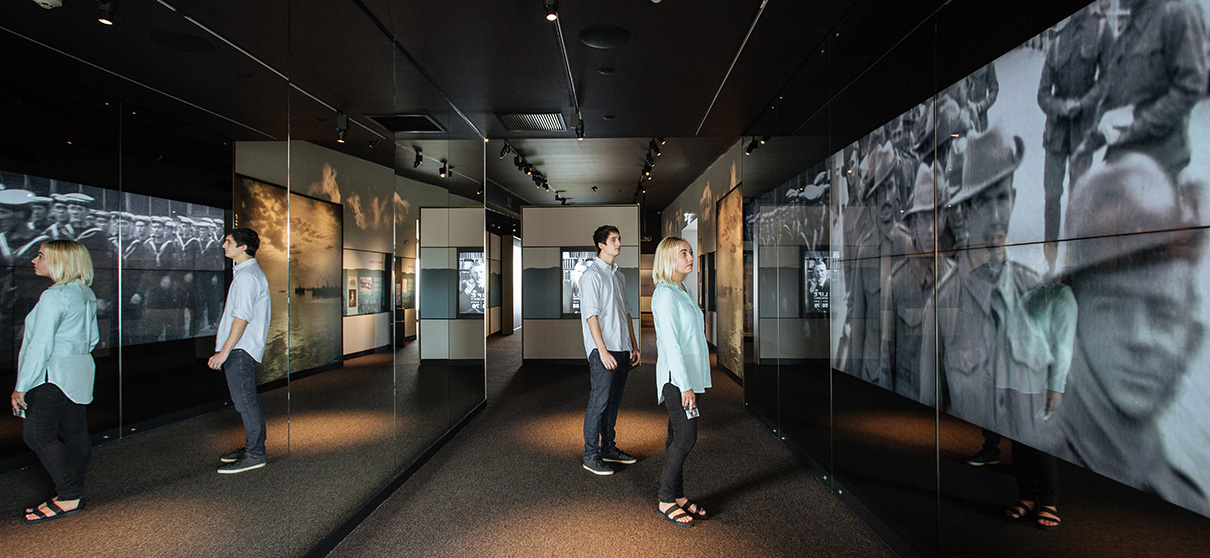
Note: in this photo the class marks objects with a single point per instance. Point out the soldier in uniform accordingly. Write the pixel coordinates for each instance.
(1065, 94)
(982, 89)
(972, 307)
(1138, 327)
(60, 227)
(77, 212)
(872, 268)
(910, 287)
(1154, 73)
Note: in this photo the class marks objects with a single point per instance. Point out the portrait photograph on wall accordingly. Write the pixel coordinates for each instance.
(1026, 250)
(575, 262)
(312, 276)
(169, 252)
(472, 294)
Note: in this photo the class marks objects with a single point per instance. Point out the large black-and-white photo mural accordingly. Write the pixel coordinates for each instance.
(1026, 250)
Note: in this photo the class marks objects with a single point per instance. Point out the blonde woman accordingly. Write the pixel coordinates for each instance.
(55, 374)
(682, 371)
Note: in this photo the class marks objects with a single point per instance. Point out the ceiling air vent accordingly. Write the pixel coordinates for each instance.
(409, 123)
(548, 122)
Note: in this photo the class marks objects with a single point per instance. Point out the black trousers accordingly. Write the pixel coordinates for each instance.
(57, 431)
(682, 436)
(1037, 475)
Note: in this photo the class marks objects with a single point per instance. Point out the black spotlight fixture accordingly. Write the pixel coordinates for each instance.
(650, 161)
(654, 147)
(594, 188)
(419, 158)
(764, 139)
(752, 145)
(107, 9)
(552, 10)
(660, 140)
(505, 150)
(445, 169)
(580, 131)
(342, 127)
(647, 170)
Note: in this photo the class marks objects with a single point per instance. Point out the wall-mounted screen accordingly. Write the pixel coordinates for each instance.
(170, 253)
(1038, 228)
(472, 294)
(816, 283)
(575, 261)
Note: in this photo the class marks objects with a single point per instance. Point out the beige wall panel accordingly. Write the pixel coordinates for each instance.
(569, 225)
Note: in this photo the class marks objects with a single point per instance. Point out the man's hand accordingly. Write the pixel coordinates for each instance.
(607, 359)
(634, 357)
(216, 361)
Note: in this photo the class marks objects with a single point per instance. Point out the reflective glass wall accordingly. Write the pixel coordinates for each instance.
(146, 141)
(995, 279)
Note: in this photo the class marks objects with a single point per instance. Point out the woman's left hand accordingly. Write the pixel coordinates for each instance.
(18, 401)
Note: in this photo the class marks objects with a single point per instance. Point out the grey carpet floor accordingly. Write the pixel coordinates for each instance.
(511, 484)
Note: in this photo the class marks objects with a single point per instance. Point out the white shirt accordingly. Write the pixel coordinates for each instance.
(247, 300)
(603, 294)
(60, 334)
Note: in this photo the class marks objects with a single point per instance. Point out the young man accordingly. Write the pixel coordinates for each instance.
(612, 349)
(240, 344)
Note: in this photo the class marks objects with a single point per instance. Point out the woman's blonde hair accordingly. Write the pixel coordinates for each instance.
(67, 261)
(664, 265)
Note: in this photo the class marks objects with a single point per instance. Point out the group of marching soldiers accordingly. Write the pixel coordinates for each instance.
(171, 265)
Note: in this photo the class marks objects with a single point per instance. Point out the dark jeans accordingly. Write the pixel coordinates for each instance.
(1037, 475)
(603, 400)
(682, 436)
(57, 431)
(240, 370)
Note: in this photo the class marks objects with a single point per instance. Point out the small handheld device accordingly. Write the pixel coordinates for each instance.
(691, 412)
(19, 412)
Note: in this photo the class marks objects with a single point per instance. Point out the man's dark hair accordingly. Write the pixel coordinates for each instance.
(602, 234)
(246, 238)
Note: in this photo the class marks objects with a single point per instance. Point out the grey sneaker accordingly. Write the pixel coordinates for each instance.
(984, 457)
(233, 456)
(597, 467)
(243, 464)
(616, 455)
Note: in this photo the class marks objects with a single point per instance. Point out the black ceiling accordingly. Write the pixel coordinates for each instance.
(278, 69)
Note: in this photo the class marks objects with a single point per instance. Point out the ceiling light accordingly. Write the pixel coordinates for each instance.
(580, 131)
(650, 161)
(107, 10)
(660, 140)
(764, 139)
(445, 169)
(342, 126)
(653, 146)
(505, 150)
(552, 11)
(419, 159)
(751, 147)
(594, 188)
(646, 170)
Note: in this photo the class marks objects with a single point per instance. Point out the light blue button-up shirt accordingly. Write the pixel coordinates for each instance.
(680, 341)
(60, 334)
(603, 294)
(247, 300)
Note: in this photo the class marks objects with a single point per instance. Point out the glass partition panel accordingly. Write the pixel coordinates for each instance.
(124, 136)
(880, 318)
(340, 247)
